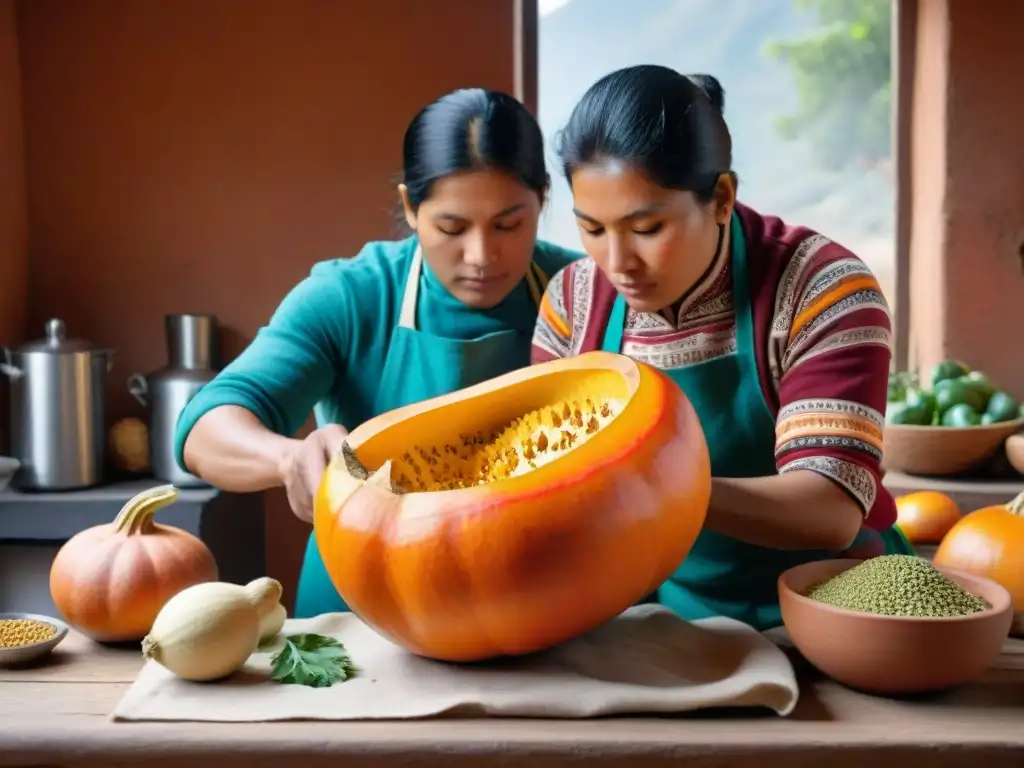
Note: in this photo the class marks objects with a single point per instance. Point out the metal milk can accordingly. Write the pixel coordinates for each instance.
(193, 358)
(58, 427)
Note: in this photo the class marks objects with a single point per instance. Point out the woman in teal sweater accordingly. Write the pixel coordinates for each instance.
(453, 305)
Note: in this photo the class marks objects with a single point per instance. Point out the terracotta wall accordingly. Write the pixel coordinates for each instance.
(200, 155)
(13, 255)
(967, 250)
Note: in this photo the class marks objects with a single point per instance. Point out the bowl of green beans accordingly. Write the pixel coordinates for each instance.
(894, 624)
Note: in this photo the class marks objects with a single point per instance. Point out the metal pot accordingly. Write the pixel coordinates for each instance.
(58, 427)
(192, 361)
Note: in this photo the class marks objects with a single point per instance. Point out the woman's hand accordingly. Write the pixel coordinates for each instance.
(304, 466)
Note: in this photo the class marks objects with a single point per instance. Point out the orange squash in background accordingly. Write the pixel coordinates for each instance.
(926, 516)
(110, 581)
(990, 542)
(518, 513)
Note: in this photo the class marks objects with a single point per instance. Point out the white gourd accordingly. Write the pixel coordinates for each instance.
(208, 631)
(272, 623)
(265, 593)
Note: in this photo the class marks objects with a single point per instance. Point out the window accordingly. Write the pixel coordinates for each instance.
(807, 99)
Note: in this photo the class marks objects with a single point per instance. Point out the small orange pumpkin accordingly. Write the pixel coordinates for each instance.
(926, 516)
(110, 581)
(515, 514)
(990, 542)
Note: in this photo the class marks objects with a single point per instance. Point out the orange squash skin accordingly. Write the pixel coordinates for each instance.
(990, 542)
(110, 581)
(926, 516)
(521, 565)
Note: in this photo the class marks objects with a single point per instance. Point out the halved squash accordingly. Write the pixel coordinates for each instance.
(518, 513)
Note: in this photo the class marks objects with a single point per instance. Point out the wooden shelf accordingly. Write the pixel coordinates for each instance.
(969, 494)
(57, 516)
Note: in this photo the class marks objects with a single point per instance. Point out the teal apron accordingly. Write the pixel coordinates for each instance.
(420, 366)
(723, 576)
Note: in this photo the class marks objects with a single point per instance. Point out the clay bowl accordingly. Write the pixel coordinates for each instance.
(1015, 452)
(943, 450)
(891, 654)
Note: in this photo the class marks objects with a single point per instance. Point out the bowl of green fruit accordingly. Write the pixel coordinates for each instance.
(951, 424)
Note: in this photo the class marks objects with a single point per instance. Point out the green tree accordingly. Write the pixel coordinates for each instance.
(843, 73)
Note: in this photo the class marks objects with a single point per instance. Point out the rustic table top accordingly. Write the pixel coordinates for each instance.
(58, 714)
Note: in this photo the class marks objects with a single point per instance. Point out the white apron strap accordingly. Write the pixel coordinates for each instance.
(536, 282)
(407, 316)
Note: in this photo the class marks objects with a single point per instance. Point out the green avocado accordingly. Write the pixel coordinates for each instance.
(902, 413)
(961, 415)
(921, 401)
(950, 392)
(982, 382)
(1002, 406)
(948, 369)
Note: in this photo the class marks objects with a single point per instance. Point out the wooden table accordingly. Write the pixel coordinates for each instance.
(57, 715)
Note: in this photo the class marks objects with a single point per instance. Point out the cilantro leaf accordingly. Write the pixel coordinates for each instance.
(312, 660)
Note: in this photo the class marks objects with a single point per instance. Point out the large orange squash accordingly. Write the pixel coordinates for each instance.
(518, 513)
(110, 581)
(990, 543)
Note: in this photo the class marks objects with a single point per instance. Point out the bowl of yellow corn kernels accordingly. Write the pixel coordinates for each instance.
(27, 637)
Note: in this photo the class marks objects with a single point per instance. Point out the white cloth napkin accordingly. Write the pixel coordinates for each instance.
(645, 661)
